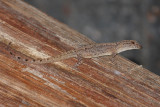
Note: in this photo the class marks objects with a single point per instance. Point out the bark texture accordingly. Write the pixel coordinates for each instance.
(26, 33)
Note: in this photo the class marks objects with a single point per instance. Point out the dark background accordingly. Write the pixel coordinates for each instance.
(111, 21)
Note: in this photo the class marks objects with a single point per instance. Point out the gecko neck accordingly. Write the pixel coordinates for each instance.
(122, 48)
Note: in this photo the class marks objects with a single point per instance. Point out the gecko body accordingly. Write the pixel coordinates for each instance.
(94, 50)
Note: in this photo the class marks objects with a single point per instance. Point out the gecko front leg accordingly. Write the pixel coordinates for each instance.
(113, 55)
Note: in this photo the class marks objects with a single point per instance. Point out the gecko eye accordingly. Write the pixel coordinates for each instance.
(133, 42)
(40, 60)
(26, 59)
(33, 60)
(19, 57)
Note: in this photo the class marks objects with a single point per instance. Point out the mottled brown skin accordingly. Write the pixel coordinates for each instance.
(94, 50)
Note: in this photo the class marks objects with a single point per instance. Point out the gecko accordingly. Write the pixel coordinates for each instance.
(91, 51)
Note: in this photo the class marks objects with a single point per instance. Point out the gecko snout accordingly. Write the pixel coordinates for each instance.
(140, 46)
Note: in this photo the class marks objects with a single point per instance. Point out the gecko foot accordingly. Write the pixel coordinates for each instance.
(9, 44)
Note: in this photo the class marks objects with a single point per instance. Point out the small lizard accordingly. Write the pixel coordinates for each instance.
(93, 50)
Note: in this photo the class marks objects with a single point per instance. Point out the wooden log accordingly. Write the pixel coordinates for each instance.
(26, 33)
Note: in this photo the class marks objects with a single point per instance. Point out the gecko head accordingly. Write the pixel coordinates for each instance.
(128, 45)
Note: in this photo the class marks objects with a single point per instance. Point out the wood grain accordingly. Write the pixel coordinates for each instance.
(26, 33)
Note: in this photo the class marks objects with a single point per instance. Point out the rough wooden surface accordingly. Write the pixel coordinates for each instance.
(27, 33)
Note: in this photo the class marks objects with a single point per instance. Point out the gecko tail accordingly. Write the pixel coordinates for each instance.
(40, 61)
(61, 57)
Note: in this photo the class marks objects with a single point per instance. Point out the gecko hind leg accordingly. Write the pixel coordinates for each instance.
(79, 62)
